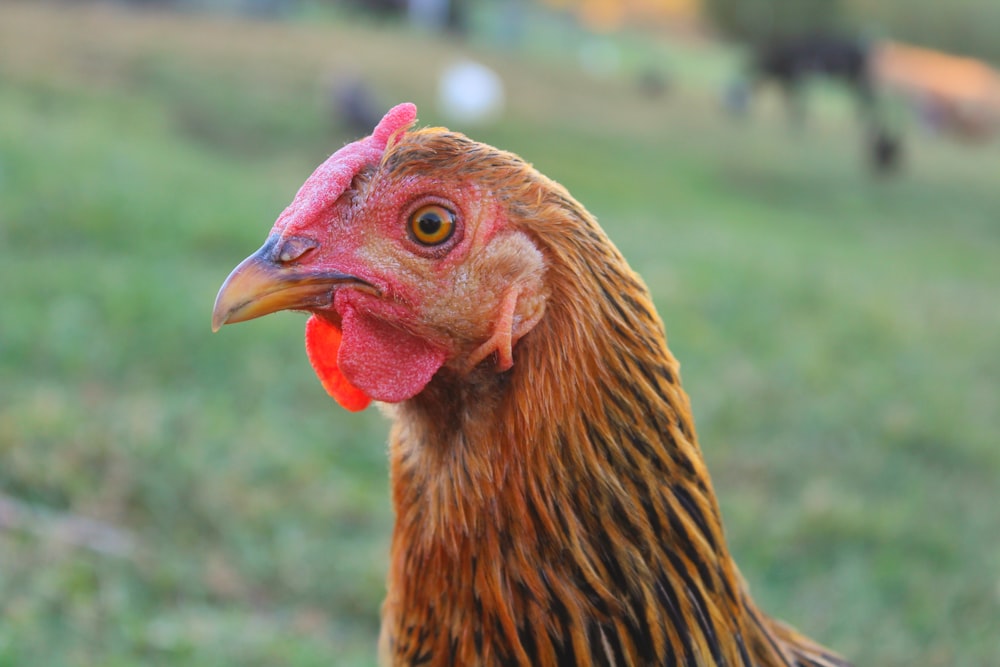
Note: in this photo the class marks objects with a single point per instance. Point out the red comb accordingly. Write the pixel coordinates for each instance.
(332, 178)
(397, 119)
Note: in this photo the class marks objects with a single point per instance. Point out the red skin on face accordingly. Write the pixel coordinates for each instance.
(390, 364)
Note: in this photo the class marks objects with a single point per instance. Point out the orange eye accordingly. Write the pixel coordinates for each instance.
(432, 224)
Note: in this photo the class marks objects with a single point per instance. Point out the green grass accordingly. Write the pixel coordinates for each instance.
(839, 339)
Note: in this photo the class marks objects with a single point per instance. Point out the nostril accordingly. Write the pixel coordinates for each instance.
(293, 248)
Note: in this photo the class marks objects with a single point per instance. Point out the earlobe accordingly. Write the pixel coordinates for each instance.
(520, 311)
(517, 265)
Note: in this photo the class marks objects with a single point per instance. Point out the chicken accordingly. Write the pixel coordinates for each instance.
(552, 505)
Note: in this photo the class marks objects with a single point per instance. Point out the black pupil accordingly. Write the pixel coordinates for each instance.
(429, 224)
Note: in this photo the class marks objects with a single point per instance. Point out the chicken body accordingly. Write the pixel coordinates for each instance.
(552, 505)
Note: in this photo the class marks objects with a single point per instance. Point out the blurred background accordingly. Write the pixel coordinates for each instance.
(811, 189)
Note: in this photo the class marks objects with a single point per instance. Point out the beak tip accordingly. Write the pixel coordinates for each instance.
(220, 314)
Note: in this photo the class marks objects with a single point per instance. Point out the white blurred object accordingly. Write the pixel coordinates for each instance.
(469, 92)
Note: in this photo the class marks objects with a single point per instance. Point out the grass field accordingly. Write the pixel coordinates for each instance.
(839, 334)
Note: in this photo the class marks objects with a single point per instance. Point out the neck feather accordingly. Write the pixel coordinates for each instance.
(572, 483)
(561, 513)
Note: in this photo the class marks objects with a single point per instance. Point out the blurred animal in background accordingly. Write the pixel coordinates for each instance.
(552, 504)
(791, 62)
(954, 95)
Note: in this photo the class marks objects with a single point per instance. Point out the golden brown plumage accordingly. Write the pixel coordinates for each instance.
(552, 505)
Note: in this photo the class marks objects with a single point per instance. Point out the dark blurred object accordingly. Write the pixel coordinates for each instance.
(792, 62)
(653, 83)
(353, 105)
(457, 22)
(885, 151)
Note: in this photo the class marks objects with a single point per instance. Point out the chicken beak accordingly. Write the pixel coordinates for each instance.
(271, 280)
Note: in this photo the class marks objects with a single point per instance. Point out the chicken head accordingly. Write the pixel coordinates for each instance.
(406, 261)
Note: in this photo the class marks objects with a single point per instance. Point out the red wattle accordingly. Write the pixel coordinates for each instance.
(384, 361)
(322, 345)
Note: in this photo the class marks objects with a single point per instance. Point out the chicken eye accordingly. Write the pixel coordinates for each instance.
(432, 224)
